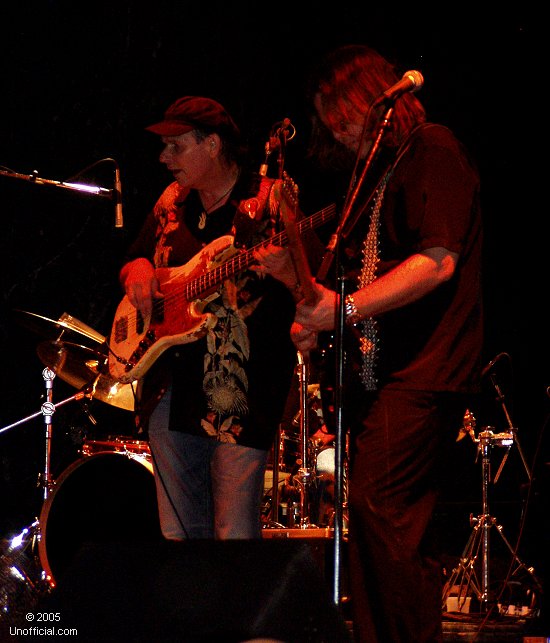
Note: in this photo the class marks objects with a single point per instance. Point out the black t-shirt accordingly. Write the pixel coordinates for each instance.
(431, 200)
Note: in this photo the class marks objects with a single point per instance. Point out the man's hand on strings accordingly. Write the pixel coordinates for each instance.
(141, 284)
(322, 314)
(277, 262)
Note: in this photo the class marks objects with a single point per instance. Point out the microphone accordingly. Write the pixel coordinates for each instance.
(492, 363)
(280, 133)
(412, 81)
(117, 194)
(283, 130)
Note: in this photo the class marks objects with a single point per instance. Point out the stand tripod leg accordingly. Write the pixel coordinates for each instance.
(519, 564)
(464, 577)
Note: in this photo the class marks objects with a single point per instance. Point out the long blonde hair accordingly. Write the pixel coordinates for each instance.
(346, 83)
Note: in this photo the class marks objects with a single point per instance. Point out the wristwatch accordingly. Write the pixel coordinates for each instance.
(352, 315)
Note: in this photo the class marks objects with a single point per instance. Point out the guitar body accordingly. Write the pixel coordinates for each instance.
(178, 318)
(136, 342)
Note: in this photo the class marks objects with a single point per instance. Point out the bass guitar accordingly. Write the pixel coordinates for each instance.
(136, 342)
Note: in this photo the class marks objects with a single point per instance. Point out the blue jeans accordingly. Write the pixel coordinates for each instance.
(205, 488)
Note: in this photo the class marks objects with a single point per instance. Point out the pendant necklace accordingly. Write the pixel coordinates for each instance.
(206, 211)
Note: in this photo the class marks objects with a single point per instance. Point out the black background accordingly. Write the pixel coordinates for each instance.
(79, 82)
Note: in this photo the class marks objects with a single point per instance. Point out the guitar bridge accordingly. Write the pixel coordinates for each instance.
(142, 348)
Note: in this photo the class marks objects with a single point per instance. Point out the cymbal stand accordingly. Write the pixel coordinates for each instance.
(48, 409)
(465, 576)
(272, 515)
(13, 564)
(304, 475)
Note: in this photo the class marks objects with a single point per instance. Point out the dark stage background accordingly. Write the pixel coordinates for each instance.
(80, 83)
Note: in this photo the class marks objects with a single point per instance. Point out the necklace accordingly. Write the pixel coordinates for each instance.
(206, 211)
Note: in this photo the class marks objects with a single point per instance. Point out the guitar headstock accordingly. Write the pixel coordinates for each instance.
(289, 190)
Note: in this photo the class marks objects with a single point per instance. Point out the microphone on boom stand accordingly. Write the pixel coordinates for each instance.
(280, 133)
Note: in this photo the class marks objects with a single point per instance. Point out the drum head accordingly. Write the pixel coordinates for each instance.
(326, 462)
(106, 497)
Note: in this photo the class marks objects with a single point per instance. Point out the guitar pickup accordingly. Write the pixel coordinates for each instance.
(121, 329)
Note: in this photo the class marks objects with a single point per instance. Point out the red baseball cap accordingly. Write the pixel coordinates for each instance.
(194, 112)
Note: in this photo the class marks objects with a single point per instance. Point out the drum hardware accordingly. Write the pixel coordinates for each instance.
(470, 578)
(66, 328)
(138, 449)
(77, 364)
(20, 569)
(33, 560)
(305, 476)
(325, 467)
(21, 581)
(284, 489)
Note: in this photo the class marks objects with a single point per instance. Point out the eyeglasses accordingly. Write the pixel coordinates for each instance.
(347, 127)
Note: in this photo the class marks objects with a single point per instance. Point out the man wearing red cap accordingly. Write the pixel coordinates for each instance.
(211, 402)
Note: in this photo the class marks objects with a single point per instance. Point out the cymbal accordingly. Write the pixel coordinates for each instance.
(82, 368)
(66, 327)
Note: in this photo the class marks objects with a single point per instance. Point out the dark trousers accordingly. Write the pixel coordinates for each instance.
(401, 442)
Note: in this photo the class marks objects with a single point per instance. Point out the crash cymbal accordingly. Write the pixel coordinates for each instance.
(66, 327)
(75, 364)
(82, 368)
(113, 392)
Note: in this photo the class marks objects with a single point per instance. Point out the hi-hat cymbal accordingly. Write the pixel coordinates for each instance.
(67, 327)
(82, 367)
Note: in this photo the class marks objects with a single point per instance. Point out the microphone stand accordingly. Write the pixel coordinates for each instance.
(513, 431)
(94, 190)
(345, 226)
(347, 222)
(77, 187)
(339, 447)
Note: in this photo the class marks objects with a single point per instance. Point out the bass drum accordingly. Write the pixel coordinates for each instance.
(106, 497)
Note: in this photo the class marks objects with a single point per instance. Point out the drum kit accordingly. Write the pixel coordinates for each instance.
(109, 491)
(300, 480)
(85, 367)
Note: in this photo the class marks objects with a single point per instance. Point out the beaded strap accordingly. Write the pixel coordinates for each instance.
(368, 343)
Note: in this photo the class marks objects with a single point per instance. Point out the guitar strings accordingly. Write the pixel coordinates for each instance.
(191, 288)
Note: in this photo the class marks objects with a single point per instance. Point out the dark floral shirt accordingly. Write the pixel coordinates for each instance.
(231, 383)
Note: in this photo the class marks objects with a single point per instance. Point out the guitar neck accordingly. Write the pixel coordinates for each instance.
(212, 278)
(289, 210)
(301, 265)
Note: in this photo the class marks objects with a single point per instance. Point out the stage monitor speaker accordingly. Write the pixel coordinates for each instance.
(197, 591)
